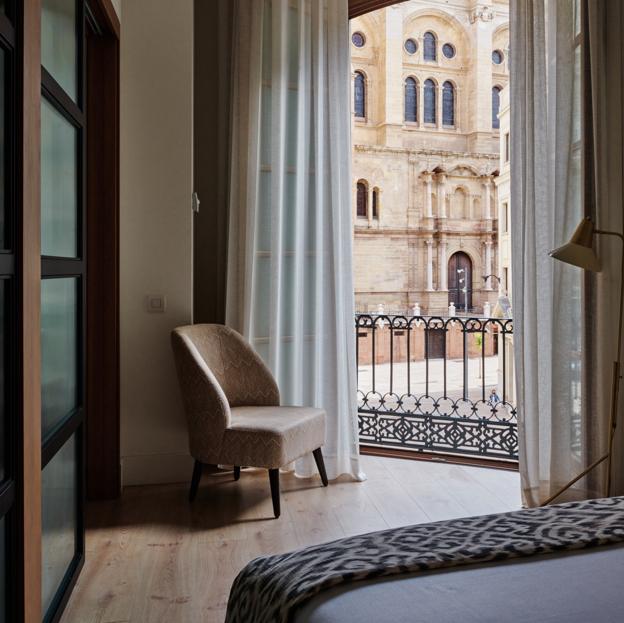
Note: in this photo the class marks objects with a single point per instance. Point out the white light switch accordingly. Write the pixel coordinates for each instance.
(156, 303)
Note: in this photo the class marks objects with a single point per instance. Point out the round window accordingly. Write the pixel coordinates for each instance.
(411, 46)
(358, 39)
(497, 57)
(448, 50)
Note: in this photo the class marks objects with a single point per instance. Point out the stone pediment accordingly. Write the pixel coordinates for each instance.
(462, 171)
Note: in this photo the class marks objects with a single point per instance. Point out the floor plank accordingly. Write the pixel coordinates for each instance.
(152, 556)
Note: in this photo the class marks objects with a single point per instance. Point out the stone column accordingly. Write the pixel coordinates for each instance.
(369, 211)
(481, 28)
(442, 266)
(487, 207)
(428, 206)
(488, 263)
(429, 243)
(441, 195)
(391, 76)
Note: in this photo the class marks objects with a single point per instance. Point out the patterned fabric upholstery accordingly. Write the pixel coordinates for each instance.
(232, 402)
(270, 437)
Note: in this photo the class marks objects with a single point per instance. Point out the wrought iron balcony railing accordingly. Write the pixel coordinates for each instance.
(436, 384)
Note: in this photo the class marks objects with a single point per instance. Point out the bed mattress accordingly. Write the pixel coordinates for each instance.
(572, 587)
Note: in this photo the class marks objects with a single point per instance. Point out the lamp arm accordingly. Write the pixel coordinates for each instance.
(616, 364)
(608, 232)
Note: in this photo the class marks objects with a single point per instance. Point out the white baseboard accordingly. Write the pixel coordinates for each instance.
(156, 469)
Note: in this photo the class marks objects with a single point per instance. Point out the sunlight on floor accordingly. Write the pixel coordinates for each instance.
(152, 556)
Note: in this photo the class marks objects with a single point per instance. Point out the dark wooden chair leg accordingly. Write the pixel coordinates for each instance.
(320, 464)
(275, 491)
(197, 474)
(237, 472)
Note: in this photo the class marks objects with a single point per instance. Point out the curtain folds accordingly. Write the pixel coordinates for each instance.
(290, 289)
(606, 51)
(565, 319)
(556, 425)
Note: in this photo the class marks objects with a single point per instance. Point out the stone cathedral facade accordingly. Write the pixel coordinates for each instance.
(426, 82)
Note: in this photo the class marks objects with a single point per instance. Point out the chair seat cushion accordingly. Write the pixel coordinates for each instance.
(271, 436)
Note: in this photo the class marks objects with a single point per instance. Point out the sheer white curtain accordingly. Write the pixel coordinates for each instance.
(557, 429)
(290, 288)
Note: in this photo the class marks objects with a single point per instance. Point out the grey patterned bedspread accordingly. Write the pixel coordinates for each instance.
(269, 589)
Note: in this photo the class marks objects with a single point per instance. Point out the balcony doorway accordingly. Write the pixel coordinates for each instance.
(460, 281)
(430, 175)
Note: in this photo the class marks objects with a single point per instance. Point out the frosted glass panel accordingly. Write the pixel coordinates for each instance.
(58, 42)
(59, 206)
(59, 365)
(3, 577)
(58, 519)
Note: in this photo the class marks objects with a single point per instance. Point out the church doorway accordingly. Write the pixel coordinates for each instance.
(460, 281)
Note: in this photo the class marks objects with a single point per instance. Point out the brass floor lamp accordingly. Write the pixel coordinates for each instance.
(579, 252)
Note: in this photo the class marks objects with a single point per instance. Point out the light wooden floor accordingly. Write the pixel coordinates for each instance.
(153, 558)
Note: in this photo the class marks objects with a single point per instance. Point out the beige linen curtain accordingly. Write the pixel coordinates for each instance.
(604, 203)
(565, 319)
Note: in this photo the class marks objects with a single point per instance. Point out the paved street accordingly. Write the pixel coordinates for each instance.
(418, 385)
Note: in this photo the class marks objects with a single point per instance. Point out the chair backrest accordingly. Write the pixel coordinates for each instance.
(217, 369)
(236, 367)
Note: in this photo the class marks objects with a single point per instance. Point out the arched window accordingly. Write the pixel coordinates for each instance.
(411, 100)
(361, 200)
(430, 101)
(376, 203)
(448, 104)
(359, 95)
(430, 52)
(495, 107)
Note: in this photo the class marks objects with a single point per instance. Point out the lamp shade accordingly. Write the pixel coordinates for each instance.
(579, 251)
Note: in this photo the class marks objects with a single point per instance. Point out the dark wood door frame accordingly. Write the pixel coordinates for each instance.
(28, 175)
(359, 7)
(26, 547)
(103, 477)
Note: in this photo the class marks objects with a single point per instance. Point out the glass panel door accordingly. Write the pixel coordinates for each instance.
(59, 44)
(62, 300)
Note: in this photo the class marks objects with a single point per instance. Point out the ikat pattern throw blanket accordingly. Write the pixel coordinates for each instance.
(270, 588)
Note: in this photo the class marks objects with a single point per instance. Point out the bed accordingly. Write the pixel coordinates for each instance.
(554, 564)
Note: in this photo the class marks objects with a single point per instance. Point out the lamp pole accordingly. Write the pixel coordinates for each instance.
(486, 277)
(461, 271)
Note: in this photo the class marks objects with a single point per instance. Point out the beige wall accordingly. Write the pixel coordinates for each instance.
(156, 232)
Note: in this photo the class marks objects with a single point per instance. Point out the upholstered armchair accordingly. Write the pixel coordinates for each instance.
(233, 410)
